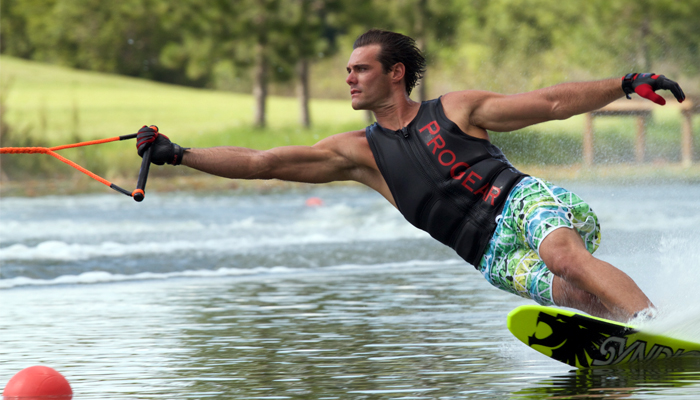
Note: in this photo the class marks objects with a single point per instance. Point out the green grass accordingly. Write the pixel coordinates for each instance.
(56, 102)
(51, 105)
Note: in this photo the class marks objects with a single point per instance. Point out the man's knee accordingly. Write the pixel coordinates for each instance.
(563, 252)
(567, 264)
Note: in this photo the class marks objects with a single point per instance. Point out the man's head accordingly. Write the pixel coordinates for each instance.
(395, 48)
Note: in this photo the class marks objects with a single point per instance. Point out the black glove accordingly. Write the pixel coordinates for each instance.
(646, 84)
(164, 151)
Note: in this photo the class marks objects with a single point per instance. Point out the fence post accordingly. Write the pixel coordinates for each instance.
(588, 141)
(640, 144)
(687, 138)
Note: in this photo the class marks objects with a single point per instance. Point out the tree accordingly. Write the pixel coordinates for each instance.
(231, 37)
(314, 26)
(540, 42)
(117, 37)
(13, 29)
(310, 36)
(432, 23)
(534, 43)
(275, 40)
(646, 33)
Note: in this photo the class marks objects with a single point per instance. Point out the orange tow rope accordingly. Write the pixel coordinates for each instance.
(137, 194)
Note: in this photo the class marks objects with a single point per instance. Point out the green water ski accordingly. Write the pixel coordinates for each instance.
(583, 341)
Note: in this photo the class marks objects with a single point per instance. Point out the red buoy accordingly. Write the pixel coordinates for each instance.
(314, 202)
(36, 383)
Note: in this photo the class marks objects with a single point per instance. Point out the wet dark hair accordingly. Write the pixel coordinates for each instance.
(396, 48)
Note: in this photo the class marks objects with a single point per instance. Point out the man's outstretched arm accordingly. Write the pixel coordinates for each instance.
(310, 164)
(341, 157)
(501, 113)
(505, 113)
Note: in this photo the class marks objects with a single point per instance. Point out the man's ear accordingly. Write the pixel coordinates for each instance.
(398, 71)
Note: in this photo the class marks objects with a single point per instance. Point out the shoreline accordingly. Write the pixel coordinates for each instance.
(609, 174)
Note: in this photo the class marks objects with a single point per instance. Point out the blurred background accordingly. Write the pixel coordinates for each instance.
(264, 73)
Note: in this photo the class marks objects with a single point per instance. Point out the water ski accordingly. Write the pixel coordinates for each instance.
(583, 341)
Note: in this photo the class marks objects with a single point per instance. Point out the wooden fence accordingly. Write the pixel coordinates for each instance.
(641, 109)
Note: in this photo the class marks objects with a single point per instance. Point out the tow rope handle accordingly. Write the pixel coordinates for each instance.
(140, 191)
(138, 194)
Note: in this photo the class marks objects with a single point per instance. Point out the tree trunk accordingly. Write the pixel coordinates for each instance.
(303, 92)
(421, 43)
(260, 85)
(422, 87)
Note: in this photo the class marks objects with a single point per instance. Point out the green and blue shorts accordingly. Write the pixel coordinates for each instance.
(534, 209)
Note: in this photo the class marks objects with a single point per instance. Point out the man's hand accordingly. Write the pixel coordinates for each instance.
(164, 151)
(646, 84)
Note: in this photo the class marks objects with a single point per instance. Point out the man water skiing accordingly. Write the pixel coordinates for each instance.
(435, 163)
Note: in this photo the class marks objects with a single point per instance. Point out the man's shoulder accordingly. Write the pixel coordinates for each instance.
(352, 135)
(353, 147)
(340, 141)
(460, 106)
(465, 97)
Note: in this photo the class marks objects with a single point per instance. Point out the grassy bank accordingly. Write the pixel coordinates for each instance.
(57, 103)
(48, 105)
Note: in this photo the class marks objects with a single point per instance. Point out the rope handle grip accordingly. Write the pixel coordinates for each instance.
(140, 191)
(138, 194)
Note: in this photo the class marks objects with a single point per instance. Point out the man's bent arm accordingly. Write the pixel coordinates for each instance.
(502, 113)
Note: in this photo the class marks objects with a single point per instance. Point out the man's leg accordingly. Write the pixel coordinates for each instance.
(568, 295)
(587, 283)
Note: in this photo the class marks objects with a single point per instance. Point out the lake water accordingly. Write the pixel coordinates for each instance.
(260, 296)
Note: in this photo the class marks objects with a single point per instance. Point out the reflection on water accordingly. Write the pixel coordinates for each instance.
(399, 333)
(649, 379)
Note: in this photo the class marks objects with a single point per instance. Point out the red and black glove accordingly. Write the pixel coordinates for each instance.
(164, 151)
(646, 84)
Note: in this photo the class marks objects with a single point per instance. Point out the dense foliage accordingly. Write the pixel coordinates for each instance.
(243, 45)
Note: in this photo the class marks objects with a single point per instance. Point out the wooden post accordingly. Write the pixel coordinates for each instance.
(687, 138)
(643, 111)
(588, 141)
(641, 138)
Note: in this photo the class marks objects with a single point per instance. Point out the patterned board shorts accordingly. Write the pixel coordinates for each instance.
(533, 210)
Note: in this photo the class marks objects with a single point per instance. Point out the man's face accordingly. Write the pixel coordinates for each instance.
(369, 85)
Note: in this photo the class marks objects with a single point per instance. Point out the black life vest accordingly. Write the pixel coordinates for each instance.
(445, 182)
